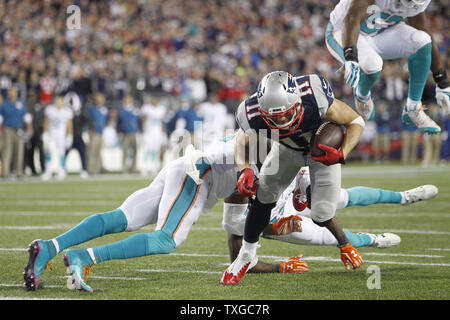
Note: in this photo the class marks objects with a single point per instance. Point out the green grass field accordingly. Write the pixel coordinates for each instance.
(419, 268)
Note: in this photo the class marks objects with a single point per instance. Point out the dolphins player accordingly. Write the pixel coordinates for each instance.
(303, 231)
(361, 34)
(174, 200)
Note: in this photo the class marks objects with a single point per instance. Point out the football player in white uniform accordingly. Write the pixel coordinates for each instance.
(361, 34)
(57, 136)
(174, 201)
(154, 136)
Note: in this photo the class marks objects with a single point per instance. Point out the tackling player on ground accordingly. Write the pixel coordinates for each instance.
(361, 34)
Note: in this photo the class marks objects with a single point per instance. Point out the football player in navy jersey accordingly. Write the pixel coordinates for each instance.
(288, 111)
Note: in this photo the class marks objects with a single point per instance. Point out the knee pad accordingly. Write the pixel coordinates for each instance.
(322, 211)
(371, 65)
(233, 220)
(419, 39)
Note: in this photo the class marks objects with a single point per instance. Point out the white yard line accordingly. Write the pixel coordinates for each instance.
(439, 249)
(45, 213)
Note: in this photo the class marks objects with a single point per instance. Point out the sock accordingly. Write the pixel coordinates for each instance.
(257, 219)
(137, 245)
(92, 227)
(366, 82)
(358, 239)
(411, 105)
(364, 196)
(418, 66)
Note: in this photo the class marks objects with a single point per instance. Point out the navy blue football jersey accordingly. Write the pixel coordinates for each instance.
(317, 97)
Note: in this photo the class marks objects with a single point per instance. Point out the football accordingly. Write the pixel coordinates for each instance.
(328, 133)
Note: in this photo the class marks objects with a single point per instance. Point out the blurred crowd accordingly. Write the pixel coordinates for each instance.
(179, 57)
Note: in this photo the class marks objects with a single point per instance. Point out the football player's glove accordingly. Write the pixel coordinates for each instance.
(294, 265)
(332, 155)
(351, 66)
(443, 97)
(246, 184)
(287, 225)
(442, 88)
(350, 256)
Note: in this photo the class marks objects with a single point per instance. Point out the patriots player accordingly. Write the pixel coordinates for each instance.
(290, 110)
(361, 34)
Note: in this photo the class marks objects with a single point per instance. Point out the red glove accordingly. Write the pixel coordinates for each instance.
(332, 155)
(294, 265)
(287, 225)
(246, 184)
(350, 256)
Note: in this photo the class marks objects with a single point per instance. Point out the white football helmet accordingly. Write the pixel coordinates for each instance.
(280, 102)
(412, 3)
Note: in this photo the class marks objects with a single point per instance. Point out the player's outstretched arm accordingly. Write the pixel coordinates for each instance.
(340, 113)
(356, 14)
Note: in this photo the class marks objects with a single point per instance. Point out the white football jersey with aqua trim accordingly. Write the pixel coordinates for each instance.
(380, 16)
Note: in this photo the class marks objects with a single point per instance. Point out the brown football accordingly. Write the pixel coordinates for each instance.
(330, 134)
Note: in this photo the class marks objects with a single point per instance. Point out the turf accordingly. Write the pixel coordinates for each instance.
(419, 268)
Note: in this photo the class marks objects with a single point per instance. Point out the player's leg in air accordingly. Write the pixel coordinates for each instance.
(173, 201)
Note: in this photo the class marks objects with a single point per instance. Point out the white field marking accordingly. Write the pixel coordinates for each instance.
(439, 249)
(44, 213)
(110, 278)
(48, 227)
(21, 285)
(13, 249)
(403, 231)
(179, 271)
(402, 255)
(57, 203)
(29, 298)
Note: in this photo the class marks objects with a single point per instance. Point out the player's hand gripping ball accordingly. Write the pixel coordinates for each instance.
(326, 142)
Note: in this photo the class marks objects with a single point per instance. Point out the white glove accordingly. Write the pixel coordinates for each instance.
(443, 97)
(351, 73)
(69, 140)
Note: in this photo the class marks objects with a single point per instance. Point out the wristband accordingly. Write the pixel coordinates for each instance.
(351, 53)
(440, 77)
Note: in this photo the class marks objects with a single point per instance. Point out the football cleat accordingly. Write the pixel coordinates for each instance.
(287, 225)
(420, 119)
(302, 181)
(364, 106)
(424, 192)
(385, 240)
(294, 265)
(234, 273)
(80, 266)
(38, 259)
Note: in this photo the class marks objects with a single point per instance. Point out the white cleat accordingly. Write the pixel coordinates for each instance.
(235, 272)
(364, 107)
(386, 240)
(420, 119)
(425, 192)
